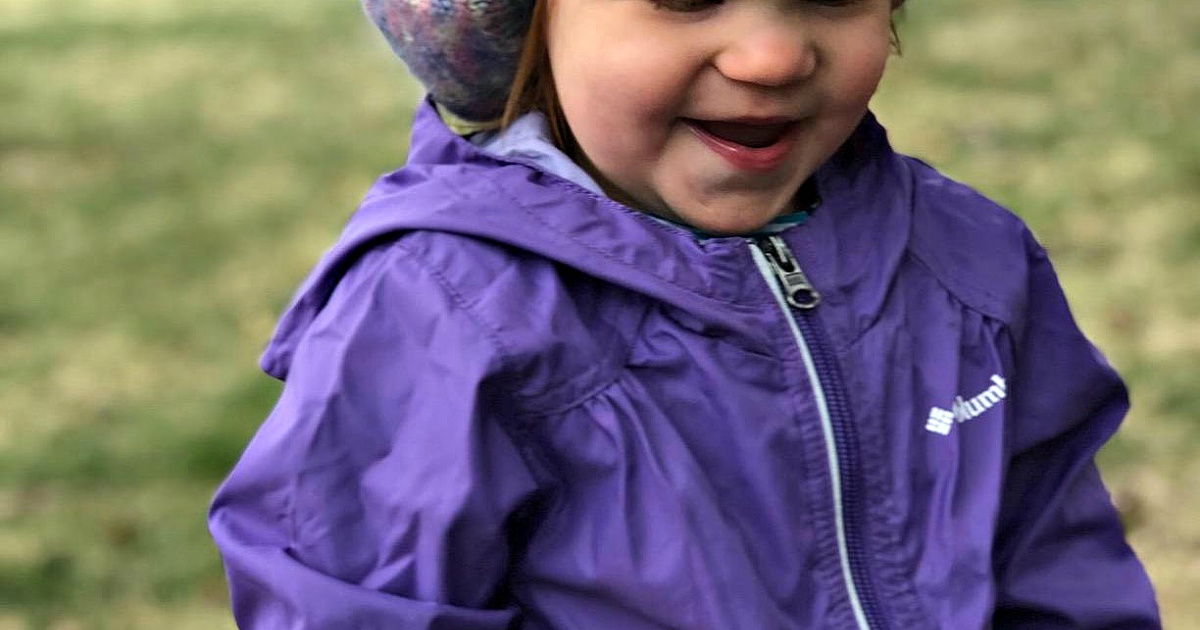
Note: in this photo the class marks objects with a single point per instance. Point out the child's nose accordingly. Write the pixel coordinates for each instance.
(772, 54)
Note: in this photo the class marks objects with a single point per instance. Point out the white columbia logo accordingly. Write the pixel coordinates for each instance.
(942, 420)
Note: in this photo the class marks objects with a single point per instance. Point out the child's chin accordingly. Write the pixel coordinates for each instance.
(730, 222)
(731, 214)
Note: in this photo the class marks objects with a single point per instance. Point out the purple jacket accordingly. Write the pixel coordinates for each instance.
(511, 403)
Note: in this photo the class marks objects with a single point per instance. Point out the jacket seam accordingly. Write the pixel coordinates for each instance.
(597, 251)
(489, 331)
(941, 282)
(980, 300)
(971, 304)
(587, 395)
(527, 404)
(527, 445)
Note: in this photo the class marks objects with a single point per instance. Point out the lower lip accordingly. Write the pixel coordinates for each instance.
(742, 157)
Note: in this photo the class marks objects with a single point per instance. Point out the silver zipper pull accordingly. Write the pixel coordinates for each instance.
(796, 287)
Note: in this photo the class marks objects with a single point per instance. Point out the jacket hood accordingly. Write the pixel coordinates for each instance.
(450, 185)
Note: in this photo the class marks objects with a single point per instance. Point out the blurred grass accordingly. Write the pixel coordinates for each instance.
(169, 170)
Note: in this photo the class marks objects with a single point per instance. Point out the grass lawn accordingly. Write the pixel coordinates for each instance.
(169, 170)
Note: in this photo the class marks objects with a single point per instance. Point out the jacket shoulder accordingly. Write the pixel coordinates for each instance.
(562, 334)
(980, 251)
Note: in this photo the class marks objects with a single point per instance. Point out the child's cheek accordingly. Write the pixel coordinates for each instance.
(624, 114)
(862, 67)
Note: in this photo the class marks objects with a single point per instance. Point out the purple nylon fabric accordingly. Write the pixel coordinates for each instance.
(511, 403)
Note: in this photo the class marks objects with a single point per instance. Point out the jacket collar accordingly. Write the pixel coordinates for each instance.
(861, 186)
(849, 249)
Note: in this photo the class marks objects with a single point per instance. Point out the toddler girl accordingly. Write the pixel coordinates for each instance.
(655, 330)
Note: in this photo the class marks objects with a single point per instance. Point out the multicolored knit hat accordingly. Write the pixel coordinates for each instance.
(464, 52)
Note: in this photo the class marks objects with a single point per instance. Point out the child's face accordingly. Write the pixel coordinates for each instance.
(714, 113)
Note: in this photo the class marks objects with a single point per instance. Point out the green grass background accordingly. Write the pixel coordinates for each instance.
(169, 169)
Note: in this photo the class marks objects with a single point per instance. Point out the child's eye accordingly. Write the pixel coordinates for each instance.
(685, 6)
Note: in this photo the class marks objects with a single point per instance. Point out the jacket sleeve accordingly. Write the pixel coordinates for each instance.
(1061, 556)
(378, 494)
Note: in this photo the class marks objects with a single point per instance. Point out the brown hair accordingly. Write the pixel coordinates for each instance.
(896, 48)
(533, 84)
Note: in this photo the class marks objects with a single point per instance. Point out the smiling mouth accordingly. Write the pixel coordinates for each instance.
(752, 135)
(752, 146)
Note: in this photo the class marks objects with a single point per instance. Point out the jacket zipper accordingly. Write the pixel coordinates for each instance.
(792, 290)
